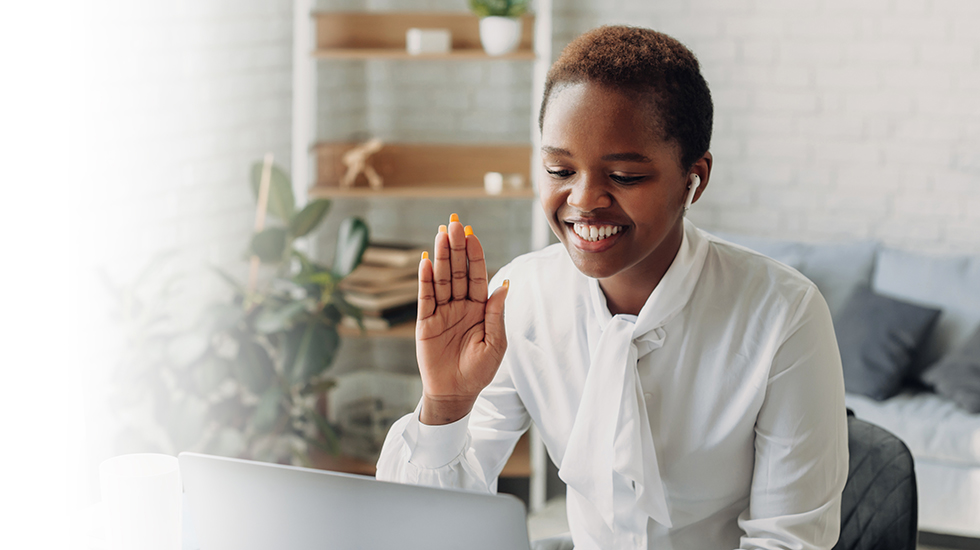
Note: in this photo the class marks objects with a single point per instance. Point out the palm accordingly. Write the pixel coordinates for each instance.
(454, 336)
(460, 337)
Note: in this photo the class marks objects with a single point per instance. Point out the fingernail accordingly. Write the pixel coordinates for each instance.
(443, 229)
(468, 230)
(506, 283)
(425, 254)
(453, 218)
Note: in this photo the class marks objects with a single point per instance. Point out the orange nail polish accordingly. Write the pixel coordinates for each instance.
(506, 283)
(443, 229)
(425, 254)
(453, 218)
(468, 230)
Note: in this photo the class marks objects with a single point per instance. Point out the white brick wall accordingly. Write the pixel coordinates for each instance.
(834, 119)
(177, 99)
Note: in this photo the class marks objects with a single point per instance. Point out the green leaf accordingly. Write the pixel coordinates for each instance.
(282, 204)
(309, 217)
(186, 348)
(209, 374)
(267, 411)
(310, 350)
(277, 319)
(186, 421)
(352, 239)
(254, 366)
(220, 317)
(500, 8)
(237, 286)
(269, 245)
(332, 442)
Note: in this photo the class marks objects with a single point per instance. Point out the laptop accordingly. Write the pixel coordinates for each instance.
(239, 504)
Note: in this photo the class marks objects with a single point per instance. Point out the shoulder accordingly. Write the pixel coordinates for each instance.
(753, 267)
(756, 282)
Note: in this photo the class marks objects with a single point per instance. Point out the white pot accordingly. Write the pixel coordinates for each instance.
(500, 35)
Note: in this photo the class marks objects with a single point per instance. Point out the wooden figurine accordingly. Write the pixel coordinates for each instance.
(357, 161)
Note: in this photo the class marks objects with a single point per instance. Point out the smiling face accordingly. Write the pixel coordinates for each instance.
(613, 189)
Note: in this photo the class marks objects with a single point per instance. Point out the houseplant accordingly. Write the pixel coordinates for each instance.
(246, 378)
(500, 24)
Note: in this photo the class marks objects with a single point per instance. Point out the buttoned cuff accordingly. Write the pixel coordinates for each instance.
(437, 446)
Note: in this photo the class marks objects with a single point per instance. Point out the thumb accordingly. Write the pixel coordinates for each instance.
(496, 335)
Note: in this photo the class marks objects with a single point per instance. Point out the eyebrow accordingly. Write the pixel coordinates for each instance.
(621, 157)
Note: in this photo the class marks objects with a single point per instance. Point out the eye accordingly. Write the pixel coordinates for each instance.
(625, 180)
(560, 173)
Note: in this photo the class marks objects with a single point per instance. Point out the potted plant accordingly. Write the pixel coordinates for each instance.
(500, 24)
(248, 378)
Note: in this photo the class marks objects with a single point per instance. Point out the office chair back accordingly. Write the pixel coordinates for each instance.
(879, 507)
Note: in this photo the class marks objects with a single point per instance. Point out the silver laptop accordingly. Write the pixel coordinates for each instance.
(243, 505)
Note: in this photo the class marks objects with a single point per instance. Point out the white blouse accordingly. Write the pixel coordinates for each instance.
(721, 426)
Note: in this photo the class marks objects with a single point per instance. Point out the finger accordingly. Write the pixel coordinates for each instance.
(477, 267)
(457, 254)
(427, 294)
(496, 335)
(441, 272)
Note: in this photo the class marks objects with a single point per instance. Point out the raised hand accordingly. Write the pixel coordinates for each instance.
(459, 335)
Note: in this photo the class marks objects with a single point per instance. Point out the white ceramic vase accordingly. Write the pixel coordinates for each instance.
(500, 35)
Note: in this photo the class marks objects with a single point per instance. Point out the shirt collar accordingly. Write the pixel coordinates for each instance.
(674, 290)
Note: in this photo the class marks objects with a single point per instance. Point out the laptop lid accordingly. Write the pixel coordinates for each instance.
(244, 505)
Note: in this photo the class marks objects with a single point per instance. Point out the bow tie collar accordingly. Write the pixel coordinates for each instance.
(610, 451)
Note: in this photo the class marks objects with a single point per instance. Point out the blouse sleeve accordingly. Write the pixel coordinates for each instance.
(800, 440)
(467, 454)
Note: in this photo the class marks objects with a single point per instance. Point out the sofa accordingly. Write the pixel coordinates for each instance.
(908, 327)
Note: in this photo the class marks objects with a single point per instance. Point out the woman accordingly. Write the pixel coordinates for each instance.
(690, 390)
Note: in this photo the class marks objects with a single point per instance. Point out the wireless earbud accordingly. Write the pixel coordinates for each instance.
(695, 183)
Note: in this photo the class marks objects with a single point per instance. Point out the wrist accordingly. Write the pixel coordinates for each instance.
(440, 411)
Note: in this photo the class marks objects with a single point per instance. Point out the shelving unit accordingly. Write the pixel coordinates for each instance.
(417, 170)
(425, 170)
(381, 35)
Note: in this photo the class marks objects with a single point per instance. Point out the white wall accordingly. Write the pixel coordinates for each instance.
(835, 119)
(176, 100)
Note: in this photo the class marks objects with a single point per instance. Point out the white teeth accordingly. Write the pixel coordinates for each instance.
(593, 233)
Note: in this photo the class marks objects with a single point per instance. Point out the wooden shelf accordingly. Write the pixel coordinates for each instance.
(401, 54)
(325, 192)
(519, 464)
(345, 464)
(404, 331)
(381, 35)
(425, 170)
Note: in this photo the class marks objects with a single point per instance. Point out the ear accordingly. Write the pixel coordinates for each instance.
(702, 167)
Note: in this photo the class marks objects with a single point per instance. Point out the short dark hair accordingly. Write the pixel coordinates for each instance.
(651, 65)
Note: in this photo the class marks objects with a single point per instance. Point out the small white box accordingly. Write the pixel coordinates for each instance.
(421, 41)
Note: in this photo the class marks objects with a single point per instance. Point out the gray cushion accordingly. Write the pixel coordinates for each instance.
(878, 336)
(957, 375)
(950, 283)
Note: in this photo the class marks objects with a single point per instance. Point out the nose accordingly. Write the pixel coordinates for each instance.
(589, 192)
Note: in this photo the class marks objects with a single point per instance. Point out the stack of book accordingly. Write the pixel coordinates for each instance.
(384, 286)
